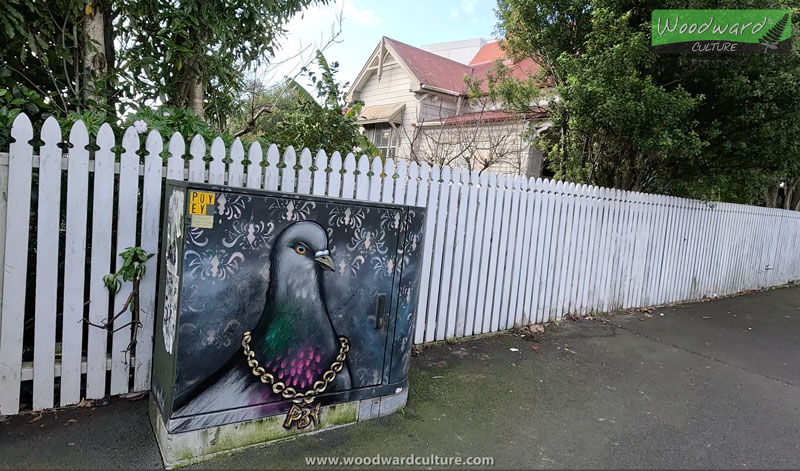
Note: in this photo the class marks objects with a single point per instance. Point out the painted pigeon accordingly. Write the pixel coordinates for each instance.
(294, 338)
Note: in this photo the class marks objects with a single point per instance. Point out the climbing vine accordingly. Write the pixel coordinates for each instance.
(132, 270)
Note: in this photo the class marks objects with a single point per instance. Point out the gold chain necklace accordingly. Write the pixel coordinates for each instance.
(279, 387)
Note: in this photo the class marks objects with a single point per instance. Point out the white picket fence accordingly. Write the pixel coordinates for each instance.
(500, 250)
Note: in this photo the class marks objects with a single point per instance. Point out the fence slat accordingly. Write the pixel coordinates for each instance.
(593, 238)
(500, 243)
(197, 166)
(151, 205)
(400, 184)
(428, 309)
(463, 262)
(216, 168)
(289, 172)
(335, 176)
(509, 278)
(126, 237)
(388, 182)
(438, 325)
(532, 229)
(255, 157)
(20, 157)
(452, 248)
(175, 162)
(478, 207)
(48, 221)
(75, 263)
(483, 305)
(567, 251)
(272, 172)
(581, 252)
(542, 243)
(349, 177)
(235, 168)
(375, 180)
(102, 219)
(520, 253)
(304, 173)
(320, 173)
(412, 185)
(425, 270)
(362, 179)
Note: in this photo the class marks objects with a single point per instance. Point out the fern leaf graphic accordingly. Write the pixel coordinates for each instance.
(770, 39)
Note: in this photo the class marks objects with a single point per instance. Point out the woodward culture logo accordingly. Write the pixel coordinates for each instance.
(722, 31)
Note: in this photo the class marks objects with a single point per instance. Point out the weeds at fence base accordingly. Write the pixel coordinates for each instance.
(419, 348)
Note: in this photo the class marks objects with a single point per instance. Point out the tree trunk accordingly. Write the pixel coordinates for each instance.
(111, 56)
(195, 94)
(788, 192)
(793, 196)
(772, 196)
(94, 53)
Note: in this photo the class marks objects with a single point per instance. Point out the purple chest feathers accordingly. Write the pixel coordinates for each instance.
(299, 367)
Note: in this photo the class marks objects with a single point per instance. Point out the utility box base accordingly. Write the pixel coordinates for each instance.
(187, 448)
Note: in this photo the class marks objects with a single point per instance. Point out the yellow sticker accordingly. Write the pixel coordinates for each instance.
(202, 221)
(199, 202)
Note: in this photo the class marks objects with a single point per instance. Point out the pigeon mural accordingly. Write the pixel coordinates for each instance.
(286, 294)
(294, 335)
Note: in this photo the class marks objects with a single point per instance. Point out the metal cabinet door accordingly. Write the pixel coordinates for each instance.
(230, 286)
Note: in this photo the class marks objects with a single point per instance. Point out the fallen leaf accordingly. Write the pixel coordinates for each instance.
(134, 396)
(85, 403)
(537, 328)
(38, 417)
(70, 421)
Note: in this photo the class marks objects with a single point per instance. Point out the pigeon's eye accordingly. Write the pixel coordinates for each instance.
(301, 249)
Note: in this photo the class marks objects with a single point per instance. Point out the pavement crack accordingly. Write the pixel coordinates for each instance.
(708, 357)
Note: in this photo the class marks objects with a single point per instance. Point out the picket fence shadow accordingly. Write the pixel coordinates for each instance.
(500, 250)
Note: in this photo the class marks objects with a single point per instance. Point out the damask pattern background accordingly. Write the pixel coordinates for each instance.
(226, 274)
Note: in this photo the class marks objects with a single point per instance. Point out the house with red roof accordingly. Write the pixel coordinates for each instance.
(418, 107)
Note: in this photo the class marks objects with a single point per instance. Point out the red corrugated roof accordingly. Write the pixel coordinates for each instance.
(431, 69)
(488, 53)
(437, 71)
(521, 70)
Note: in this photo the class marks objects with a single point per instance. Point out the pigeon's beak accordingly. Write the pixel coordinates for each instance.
(325, 261)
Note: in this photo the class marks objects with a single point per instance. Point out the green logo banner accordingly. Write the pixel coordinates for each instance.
(722, 31)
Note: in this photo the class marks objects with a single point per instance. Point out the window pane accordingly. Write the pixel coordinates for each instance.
(384, 137)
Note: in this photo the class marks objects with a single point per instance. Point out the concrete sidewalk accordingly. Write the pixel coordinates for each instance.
(713, 385)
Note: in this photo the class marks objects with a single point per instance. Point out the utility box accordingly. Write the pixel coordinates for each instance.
(279, 314)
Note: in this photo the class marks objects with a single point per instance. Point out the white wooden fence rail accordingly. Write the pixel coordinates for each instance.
(500, 250)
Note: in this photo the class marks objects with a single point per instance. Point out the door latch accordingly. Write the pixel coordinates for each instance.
(380, 309)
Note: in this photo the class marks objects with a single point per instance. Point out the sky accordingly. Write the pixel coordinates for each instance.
(415, 22)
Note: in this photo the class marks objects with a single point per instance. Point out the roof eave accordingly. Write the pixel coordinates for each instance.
(422, 86)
